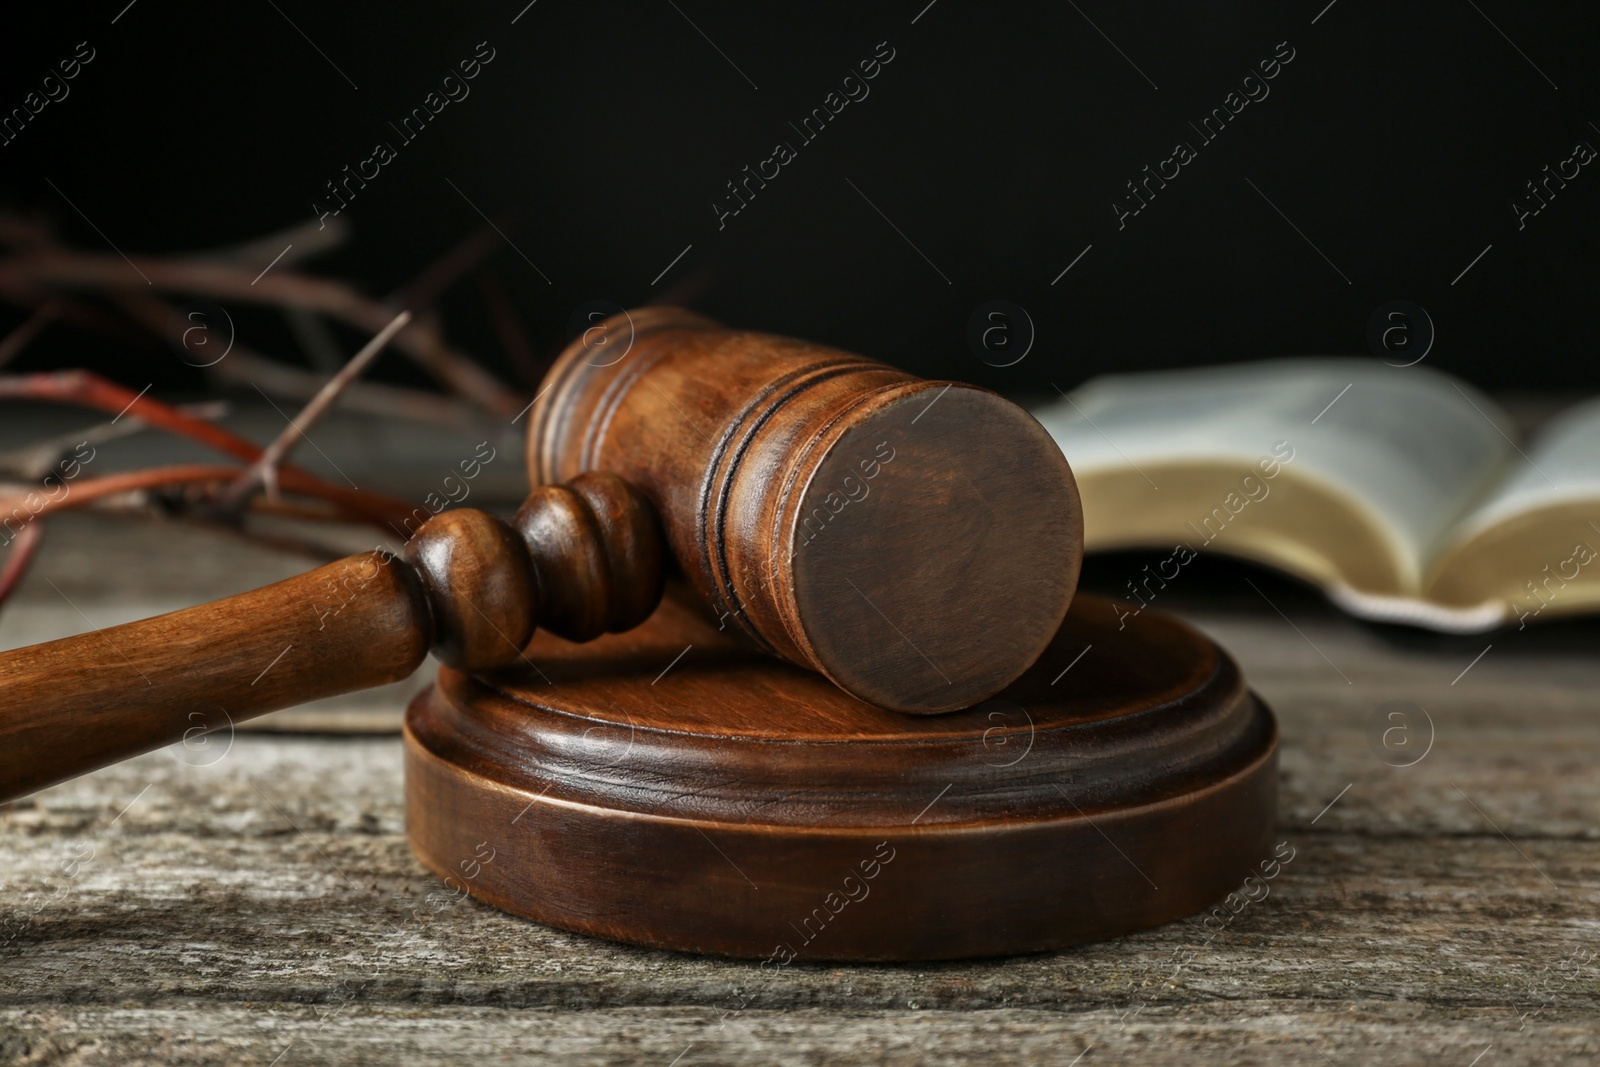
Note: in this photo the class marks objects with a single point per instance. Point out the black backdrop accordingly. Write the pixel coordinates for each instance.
(985, 159)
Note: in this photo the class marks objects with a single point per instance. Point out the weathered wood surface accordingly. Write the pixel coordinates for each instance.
(266, 906)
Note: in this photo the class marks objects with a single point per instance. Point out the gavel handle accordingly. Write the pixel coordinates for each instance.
(580, 560)
(70, 706)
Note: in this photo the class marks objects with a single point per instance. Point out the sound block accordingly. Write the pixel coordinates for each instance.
(672, 787)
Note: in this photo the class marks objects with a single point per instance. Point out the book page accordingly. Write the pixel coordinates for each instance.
(1414, 447)
(1561, 465)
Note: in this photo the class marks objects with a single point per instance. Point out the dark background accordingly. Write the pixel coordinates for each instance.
(996, 140)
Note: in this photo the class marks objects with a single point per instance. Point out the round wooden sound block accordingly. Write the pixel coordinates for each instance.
(672, 787)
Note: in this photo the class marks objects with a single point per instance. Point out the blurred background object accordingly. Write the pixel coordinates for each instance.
(1344, 157)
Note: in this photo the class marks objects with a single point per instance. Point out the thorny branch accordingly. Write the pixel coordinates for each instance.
(91, 291)
(264, 471)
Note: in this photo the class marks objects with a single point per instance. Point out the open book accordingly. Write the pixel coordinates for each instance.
(1401, 492)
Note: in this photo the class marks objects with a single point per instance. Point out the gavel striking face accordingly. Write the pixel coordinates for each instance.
(917, 542)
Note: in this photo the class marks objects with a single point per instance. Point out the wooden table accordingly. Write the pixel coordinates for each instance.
(256, 903)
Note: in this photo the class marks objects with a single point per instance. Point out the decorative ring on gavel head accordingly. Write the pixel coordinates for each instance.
(916, 541)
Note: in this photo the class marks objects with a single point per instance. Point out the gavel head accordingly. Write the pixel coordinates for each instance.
(918, 542)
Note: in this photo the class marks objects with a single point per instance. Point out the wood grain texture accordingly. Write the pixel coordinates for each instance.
(1407, 930)
(973, 542)
(98, 571)
(599, 564)
(81, 702)
(270, 900)
(811, 496)
(466, 585)
(1087, 800)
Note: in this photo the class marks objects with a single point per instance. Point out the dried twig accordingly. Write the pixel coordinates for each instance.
(19, 232)
(36, 461)
(90, 390)
(23, 548)
(303, 241)
(19, 338)
(316, 339)
(246, 366)
(92, 318)
(512, 337)
(142, 505)
(87, 389)
(85, 491)
(349, 504)
(27, 279)
(445, 271)
(264, 470)
(38, 273)
(374, 398)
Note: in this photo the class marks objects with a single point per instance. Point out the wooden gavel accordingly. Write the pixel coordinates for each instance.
(918, 542)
